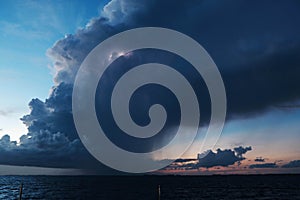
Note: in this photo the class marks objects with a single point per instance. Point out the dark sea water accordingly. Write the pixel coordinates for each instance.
(146, 187)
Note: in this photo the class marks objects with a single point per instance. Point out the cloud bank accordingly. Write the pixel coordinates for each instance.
(264, 165)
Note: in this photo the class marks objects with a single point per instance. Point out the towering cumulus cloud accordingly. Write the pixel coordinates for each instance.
(257, 56)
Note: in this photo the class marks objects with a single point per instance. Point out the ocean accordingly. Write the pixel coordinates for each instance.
(146, 187)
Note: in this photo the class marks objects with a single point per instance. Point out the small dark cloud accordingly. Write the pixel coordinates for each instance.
(292, 164)
(260, 159)
(264, 165)
(241, 150)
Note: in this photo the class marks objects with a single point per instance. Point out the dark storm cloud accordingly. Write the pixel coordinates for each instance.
(257, 54)
(264, 165)
(292, 164)
(256, 46)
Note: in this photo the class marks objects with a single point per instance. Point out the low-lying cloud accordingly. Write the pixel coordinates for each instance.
(264, 165)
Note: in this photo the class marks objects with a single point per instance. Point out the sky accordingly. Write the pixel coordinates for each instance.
(28, 29)
(255, 45)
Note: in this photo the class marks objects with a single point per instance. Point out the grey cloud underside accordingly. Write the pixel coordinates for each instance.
(257, 55)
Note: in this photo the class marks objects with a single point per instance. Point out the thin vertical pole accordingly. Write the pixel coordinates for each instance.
(21, 191)
(158, 192)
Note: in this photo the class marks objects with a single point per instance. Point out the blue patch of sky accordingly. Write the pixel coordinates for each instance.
(27, 30)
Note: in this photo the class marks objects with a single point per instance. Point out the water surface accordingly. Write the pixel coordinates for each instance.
(146, 187)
